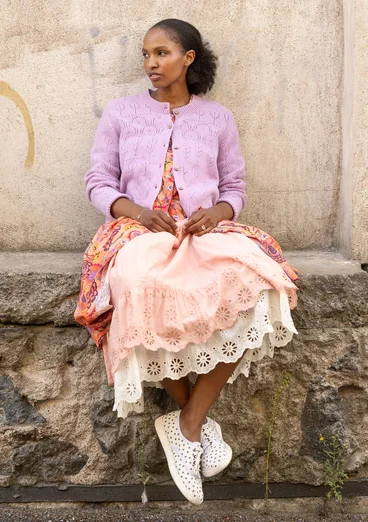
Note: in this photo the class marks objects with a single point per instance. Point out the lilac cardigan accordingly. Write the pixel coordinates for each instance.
(129, 151)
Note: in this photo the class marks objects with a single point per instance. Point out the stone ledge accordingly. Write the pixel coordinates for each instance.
(69, 263)
(41, 288)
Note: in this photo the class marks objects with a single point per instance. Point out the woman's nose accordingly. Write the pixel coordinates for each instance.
(152, 62)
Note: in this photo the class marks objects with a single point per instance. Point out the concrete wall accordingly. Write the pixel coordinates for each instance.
(360, 133)
(346, 187)
(353, 212)
(280, 71)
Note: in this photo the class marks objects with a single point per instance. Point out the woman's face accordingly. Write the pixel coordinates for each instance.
(165, 62)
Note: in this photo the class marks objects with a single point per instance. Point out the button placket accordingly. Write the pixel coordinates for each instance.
(176, 168)
(180, 187)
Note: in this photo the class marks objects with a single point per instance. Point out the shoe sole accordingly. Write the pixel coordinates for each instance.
(160, 430)
(224, 463)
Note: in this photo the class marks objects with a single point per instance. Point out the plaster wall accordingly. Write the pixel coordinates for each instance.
(353, 211)
(280, 72)
(360, 133)
(345, 217)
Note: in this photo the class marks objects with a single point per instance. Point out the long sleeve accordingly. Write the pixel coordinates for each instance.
(103, 179)
(231, 167)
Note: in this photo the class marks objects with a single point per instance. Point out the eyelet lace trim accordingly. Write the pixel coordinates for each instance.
(176, 318)
(258, 331)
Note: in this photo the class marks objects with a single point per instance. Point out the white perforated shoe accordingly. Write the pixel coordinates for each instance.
(216, 453)
(183, 456)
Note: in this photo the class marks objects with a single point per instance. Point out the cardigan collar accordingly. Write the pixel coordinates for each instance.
(164, 107)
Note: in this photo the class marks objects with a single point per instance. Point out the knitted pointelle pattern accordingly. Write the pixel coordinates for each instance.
(130, 145)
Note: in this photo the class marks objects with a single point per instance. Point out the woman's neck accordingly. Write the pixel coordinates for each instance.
(176, 98)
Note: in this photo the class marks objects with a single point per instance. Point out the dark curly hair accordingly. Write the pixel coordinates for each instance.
(201, 73)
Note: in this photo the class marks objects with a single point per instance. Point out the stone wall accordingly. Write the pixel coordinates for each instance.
(56, 419)
(281, 68)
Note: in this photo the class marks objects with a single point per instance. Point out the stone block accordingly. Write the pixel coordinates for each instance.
(15, 408)
(47, 460)
(41, 347)
(332, 300)
(39, 288)
(38, 298)
(322, 415)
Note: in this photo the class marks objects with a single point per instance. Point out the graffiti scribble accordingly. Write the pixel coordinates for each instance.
(8, 92)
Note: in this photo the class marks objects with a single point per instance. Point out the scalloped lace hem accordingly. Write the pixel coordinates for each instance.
(256, 332)
(161, 318)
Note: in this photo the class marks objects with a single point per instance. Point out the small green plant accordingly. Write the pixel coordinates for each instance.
(269, 434)
(143, 473)
(335, 452)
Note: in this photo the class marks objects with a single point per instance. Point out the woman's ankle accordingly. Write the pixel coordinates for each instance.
(190, 426)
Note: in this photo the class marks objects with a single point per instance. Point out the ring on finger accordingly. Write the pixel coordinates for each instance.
(203, 227)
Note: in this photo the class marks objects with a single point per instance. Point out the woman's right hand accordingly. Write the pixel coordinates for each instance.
(158, 221)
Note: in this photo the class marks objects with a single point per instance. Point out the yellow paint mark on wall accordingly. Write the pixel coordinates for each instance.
(6, 90)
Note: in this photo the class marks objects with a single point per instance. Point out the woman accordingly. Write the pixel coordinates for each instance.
(172, 286)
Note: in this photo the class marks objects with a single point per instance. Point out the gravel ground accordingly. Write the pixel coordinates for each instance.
(229, 511)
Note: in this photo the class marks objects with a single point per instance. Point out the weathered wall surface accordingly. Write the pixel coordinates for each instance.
(345, 217)
(56, 418)
(360, 133)
(353, 208)
(280, 72)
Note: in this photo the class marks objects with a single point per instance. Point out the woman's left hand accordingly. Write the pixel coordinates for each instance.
(204, 220)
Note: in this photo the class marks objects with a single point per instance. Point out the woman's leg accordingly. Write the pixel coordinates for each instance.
(195, 405)
(204, 394)
(179, 390)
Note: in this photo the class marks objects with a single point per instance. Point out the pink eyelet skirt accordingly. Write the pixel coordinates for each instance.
(183, 304)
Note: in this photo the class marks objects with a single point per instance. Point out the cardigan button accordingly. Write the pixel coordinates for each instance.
(181, 188)
(170, 126)
(176, 112)
(176, 168)
(176, 147)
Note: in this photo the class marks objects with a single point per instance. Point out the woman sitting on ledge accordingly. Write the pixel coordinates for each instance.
(172, 286)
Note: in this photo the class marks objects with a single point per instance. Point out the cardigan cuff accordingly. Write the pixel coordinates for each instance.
(230, 201)
(116, 196)
(103, 198)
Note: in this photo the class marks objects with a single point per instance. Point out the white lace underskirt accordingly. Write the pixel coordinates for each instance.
(257, 332)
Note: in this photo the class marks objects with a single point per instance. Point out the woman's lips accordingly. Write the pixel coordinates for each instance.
(154, 77)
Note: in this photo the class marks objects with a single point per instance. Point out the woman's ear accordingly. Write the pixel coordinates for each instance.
(189, 55)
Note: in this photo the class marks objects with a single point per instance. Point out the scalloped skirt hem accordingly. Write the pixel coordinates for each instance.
(254, 335)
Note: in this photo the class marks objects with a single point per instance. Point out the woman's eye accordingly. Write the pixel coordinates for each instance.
(162, 53)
